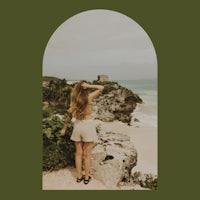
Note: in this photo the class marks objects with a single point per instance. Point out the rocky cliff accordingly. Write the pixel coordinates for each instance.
(115, 103)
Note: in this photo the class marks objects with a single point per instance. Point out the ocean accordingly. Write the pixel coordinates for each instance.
(147, 113)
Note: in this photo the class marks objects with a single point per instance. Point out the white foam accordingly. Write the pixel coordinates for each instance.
(146, 114)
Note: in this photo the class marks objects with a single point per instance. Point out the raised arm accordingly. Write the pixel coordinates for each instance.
(97, 92)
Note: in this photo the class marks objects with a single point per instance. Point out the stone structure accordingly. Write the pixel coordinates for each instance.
(102, 78)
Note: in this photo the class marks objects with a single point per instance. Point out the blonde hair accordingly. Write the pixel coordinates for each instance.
(79, 101)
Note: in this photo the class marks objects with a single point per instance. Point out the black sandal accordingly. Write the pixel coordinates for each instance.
(78, 180)
(86, 181)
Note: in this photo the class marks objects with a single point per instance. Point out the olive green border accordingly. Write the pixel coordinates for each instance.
(26, 29)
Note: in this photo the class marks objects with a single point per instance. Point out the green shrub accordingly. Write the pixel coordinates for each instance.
(58, 151)
(146, 180)
(151, 182)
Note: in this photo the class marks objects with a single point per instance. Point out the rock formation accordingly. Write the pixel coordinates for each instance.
(113, 158)
(115, 103)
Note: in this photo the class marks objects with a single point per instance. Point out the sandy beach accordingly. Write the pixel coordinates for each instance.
(145, 141)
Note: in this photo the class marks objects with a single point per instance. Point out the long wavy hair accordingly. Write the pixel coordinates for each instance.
(79, 101)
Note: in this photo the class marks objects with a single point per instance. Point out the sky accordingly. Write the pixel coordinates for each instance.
(98, 42)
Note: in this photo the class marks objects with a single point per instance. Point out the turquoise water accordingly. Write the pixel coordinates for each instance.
(147, 90)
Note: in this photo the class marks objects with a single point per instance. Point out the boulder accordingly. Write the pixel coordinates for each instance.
(113, 158)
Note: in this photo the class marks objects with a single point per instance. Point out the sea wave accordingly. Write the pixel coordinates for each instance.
(146, 114)
(147, 90)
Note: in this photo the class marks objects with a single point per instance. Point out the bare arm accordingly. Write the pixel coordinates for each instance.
(97, 92)
(68, 119)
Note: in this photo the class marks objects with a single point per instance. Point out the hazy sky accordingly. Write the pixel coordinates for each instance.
(100, 42)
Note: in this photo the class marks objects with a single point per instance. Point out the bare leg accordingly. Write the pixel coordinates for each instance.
(78, 159)
(87, 148)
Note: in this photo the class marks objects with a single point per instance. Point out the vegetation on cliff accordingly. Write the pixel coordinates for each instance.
(56, 95)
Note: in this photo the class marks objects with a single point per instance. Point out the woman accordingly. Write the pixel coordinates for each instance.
(84, 132)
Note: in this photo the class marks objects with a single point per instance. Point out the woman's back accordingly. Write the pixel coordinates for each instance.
(88, 109)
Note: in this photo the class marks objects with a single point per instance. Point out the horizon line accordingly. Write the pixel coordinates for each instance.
(78, 79)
